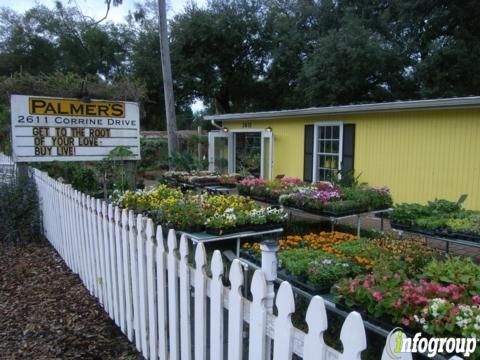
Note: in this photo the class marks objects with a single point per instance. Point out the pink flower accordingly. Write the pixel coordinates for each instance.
(377, 296)
(397, 304)
(476, 299)
(253, 182)
(290, 181)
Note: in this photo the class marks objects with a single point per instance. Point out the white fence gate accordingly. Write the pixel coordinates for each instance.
(146, 288)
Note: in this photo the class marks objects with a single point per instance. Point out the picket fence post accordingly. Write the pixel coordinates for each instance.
(127, 277)
(134, 277)
(200, 334)
(282, 345)
(258, 317)
(216, 308)
(113, 263)
(120, 282)
(314, 346)
(142, 283)
(353, 337)
(173, 296)
(161, 296)
(151, 291)
(184, 274)
(235, 313)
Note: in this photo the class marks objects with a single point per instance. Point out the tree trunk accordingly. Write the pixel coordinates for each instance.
(167, 80)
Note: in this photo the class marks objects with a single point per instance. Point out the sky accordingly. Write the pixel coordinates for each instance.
(96, 8)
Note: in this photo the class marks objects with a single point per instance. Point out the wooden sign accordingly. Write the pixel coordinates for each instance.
(48, 129)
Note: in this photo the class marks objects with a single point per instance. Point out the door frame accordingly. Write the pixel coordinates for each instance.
(232, 146)
(211, 149)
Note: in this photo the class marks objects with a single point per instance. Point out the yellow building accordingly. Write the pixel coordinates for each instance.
(421, 150)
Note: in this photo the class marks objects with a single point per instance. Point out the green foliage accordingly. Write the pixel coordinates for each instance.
(316, 267)
(455, 270)
(154, 154)
(440, 207)
(465, 225)
(437, 215)
(407, 214)
(182, 161)
(81, 176)
(431, 222)
(19, 211)
(258, 55)
(5, 145)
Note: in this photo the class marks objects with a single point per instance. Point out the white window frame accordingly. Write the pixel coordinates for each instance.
(315, 145)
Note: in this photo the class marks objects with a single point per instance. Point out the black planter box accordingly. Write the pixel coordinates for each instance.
(302, 284)
(247, 227)
(220, 232)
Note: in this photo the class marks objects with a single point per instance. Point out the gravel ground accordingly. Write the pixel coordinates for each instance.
(46, 313)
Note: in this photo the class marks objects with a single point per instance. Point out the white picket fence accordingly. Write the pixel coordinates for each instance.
(7, 168)
(146, 288)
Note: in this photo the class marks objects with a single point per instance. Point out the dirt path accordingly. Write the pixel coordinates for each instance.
(46, 313)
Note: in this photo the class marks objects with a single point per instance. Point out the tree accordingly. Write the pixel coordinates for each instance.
(351, 64)
(217, 53)
(167, 78)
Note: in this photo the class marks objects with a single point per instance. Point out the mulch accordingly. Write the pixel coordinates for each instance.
(46, 312)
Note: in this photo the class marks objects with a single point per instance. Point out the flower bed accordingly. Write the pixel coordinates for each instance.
(441, 300)
(440, 217)
(217, 214)
(324, 198)
(268, 191)
(315, 261)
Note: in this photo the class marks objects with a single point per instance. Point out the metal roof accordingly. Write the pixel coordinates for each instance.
(448, 103)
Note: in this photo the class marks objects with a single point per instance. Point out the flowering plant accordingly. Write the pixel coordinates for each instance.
(168, 205)
(327, 197)
(316, 267)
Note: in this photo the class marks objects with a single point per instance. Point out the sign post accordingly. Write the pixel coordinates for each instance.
(49, 129)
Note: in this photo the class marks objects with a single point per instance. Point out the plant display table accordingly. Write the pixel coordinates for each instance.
(334, 219)
(207, 238)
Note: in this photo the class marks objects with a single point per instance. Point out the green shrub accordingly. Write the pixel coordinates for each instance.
(442, 207)
(469, 225)
(455, 270)
(432, 222)
(407, 214)
(19, 211)
(154, 154)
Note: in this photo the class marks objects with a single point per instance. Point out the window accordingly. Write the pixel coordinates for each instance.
(328, 150)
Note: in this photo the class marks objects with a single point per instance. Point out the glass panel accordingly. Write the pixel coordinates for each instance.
(333, 162)
(328, 146)
(335, 144)
(266, 158)
(336, 132)
(322, 132)
(220, 154)
(247, 153)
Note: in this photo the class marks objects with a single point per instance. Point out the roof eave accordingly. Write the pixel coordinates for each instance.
(450, 103)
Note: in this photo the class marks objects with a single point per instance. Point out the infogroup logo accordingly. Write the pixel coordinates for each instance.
(398, 342)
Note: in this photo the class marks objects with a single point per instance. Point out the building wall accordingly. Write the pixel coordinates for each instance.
(419, 155)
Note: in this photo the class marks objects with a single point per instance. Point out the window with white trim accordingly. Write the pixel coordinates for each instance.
(328, 150)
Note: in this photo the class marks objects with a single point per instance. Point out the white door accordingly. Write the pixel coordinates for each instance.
(220, 150)
(266, 166)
